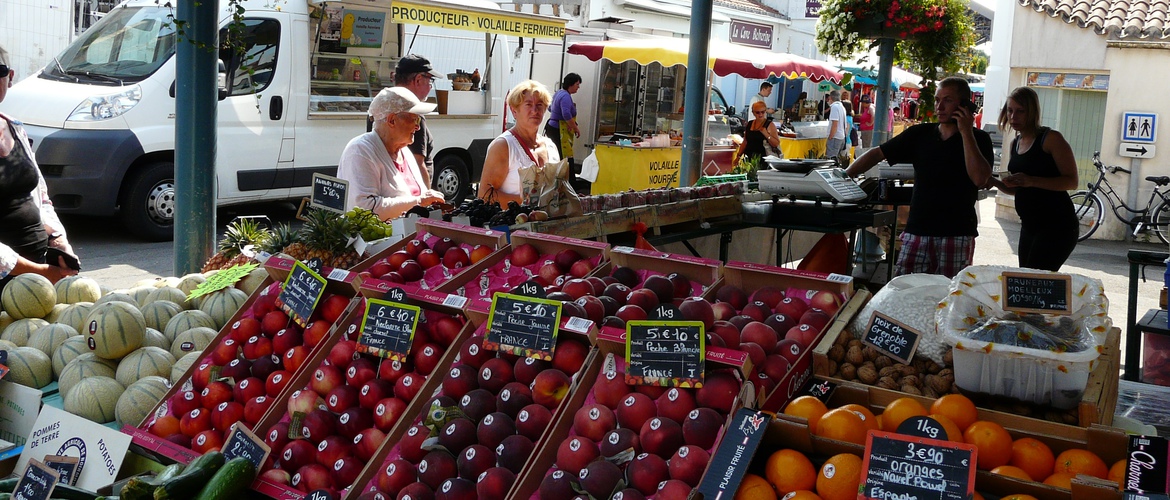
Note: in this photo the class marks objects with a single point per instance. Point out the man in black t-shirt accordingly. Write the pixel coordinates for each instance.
(416, 74)
(952, 161)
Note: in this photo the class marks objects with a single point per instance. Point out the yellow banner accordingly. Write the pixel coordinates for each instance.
(621, 168)
(501, 23)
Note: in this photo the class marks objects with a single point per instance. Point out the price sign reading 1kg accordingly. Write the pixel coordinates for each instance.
(665, 353)
(1037, 293)
(525, 326)
(896, 466)
(388, 329)
(302, 290)
(329, 193)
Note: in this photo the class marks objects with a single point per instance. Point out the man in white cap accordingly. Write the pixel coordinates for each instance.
(416, 73)
(382, 172)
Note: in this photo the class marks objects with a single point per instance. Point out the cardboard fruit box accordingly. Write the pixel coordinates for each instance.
(430, 231)
(159, 448)
(278, 419)
(703, 272)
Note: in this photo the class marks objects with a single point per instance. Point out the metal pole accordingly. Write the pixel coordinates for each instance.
(881, 122)
(196, 100)
(695, 105)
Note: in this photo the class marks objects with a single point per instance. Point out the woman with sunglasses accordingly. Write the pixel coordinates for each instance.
(759, 134)
(28, 224)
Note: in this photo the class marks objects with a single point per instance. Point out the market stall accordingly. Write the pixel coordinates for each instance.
(641, 95)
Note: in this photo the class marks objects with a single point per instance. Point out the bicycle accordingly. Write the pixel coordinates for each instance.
(1088, 204)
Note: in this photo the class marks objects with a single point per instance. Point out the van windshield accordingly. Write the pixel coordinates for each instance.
(126, 45)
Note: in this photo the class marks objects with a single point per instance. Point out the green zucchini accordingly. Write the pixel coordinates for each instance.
(169, 472)
(66, 492)
(195, 477)
(7, 485)
(230, 480)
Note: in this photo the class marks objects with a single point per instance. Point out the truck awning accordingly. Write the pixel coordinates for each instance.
(724, 58)
(482, 19)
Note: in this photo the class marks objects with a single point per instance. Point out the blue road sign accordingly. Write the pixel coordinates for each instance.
(1139, 127)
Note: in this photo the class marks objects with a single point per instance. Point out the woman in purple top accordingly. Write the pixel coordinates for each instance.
(562, 125)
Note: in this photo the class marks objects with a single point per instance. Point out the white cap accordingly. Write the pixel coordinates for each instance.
(398, 100)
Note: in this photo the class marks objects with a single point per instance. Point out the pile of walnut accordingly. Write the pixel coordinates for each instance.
(851, 360)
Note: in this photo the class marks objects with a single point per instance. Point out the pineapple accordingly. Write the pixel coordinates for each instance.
(239, 234)
(326, 235)
(282, 240)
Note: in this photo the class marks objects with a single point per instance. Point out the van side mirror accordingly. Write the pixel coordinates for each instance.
(730, 110)
(220, 79)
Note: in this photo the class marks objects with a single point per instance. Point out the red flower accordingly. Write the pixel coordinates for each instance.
(938, 25)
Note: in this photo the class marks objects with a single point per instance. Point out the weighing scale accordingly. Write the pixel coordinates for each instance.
(809, 179)
(897, 171)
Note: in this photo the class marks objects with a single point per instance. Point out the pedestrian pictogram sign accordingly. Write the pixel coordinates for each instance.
(1139, 126)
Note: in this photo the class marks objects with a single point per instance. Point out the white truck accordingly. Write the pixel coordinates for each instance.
(101, 115)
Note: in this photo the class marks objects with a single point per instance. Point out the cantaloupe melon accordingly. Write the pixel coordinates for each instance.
(155, 338)
(50, 337)
(74, 314)
(68, 351)
(82, 367)
(22, 329)
(55, 313)
(171, 294)
(117, 296)
(187, 320)
(5, 320)
(74, 289)
(144, 362)
(195, 339)
(28, 296)
(136, 403)
(7, 346)
(159, 313)
(96, 399)
(188, 283)
(115, 328)
(253, 280)
(29, 367)
(180, 367)
(222, 305)
(140, 294)
(150, 282)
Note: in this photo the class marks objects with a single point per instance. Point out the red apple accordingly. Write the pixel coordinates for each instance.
(791, 307)
(456, 258)
(428, 258)
(332, 307)
(342, 353)
(367, 442)
(826, 301)
(733, 295)
(480, 252)
(524, 255)
(698, 309)
(387, 412)
(581, 268)
(325, 378)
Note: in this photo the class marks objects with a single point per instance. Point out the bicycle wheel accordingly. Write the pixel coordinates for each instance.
(1160, 220)
(1090, 212)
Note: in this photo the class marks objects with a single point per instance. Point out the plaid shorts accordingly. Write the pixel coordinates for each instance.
(945, 255)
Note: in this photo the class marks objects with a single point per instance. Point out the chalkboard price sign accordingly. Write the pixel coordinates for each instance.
(243, 443)
(524, 326)
(922, 426)
(388, 329)
(666, 312)
(665, 353)
(329, 193)
(1037, 293)
(36, 483)
(302, 290)
(530, 288)
(892, 337)
(66, 468)
(898, 466)
(318, 495)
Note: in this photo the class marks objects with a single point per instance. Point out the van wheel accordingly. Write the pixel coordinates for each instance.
(452, 178)
(148, 202)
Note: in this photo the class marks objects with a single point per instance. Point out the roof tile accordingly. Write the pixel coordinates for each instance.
(1148, 19)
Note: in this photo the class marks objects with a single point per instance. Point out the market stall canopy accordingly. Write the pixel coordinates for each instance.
(724, 58)
(476, 15)
(899, 78)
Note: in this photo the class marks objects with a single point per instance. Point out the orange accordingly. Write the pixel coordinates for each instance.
(1078, 461)
(953, 432)
(1033, 456)
(807, 407)
(867, 417)
(957, 408)
(977, 496)
(790, 470)
(898, 411)
(165, 426)
(801, 495)
(1011, 471)
(1117, 472)
(754, 487)
(842, 425)
(839, 477)
(993, 442)
(1060, 480)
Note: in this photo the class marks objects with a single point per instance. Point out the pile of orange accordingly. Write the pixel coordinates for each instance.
(791, 476)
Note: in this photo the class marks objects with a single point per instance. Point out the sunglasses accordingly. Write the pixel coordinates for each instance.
(4, 69)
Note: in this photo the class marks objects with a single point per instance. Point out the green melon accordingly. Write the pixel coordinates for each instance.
(74, 289)
(188, 284)
(74, 314)
(7, 346)
(183, 364)
(150, 282)
(22, 329)
(96, 399)
(187, 320)
(5, 320)
(195, 339)
(139, 399)
(140, 294)
(117, 296)
(29, 367)
(50, 337)
(55, 313)
(68, 351)
(115, 328)
(144, 362)
(253, 280)
(222, 305)
(82, 367)
(159, 313)
(28, 296)
(169, 293)
(155, 338)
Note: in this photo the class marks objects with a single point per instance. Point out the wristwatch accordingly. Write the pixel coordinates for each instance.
(55, 234)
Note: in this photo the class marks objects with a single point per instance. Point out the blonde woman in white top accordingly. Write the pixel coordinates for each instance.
(382, 172)
(520, 146)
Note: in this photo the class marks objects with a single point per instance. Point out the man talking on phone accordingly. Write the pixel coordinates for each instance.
(952, 160)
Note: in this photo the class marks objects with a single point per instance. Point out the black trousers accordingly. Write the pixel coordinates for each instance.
(1046, 246)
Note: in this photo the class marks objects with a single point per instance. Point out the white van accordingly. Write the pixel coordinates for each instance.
(101, 115)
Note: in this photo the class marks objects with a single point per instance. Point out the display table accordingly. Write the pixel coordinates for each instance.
(621, 168)
(1133, 341)
(802, 148)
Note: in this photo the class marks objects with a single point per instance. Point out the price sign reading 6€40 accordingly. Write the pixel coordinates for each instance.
(302, 290)
(388, 329)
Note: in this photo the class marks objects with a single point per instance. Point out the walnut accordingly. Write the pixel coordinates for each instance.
(846, 336)
(883, 361)
(836, 353)
(853, 343)
(910, 389)
(833, 367)
(938, 383)
(889, 371)
(848, 371)
(887, 383)
(949, 358)
(1021, 409)
(911, 380)
(867, 374)
(906, 369)
(932, 367)
(919, 362)
(853, 355)
(1070, 418)
(870, 353)
(929, 392)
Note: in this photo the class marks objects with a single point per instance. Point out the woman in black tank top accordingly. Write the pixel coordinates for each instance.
(758, 134)
(1043, 170)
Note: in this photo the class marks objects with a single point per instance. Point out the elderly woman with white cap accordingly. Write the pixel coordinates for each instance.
(382, 172)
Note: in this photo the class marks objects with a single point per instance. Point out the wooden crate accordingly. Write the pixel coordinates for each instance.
(583, 227)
